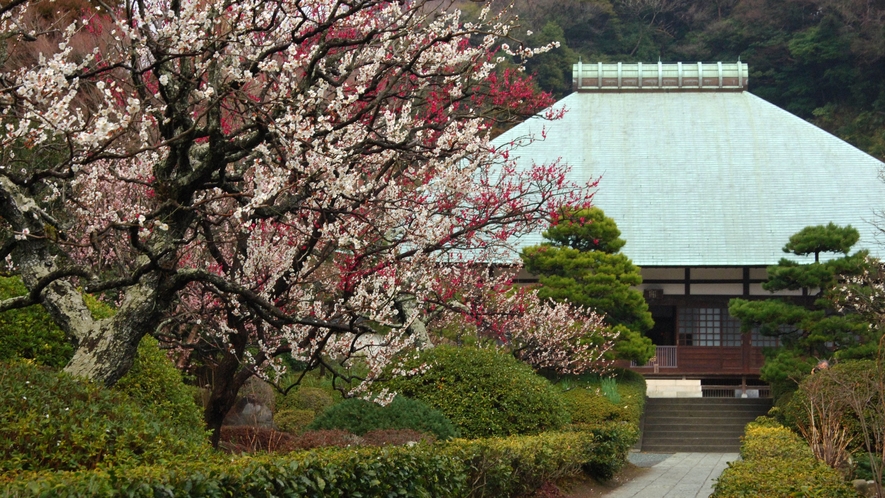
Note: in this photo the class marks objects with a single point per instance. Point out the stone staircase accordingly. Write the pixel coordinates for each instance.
(707, 425)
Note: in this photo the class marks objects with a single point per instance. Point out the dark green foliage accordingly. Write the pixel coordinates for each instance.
(833, 387)
(552, 70)
(818, 239)
(29, 332)
(360, 416)
(810, 328)
(613, 441)
(777, 463)
(483, 392)
(49, 420)
(581, 264)
(157, 387)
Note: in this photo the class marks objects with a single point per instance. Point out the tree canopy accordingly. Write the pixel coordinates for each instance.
(581, 264)
(257, 179)
(815, 326)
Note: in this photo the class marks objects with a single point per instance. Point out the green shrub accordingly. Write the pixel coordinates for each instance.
(830, 393)
(517, 465)
(588, 402)
(157, 387)
(314, 399)
(494, 467)
(612, 443)
(50, 420)
(777, 477)
(360, 416)
(293, 421)
(610, 390)
(778, 463)
(483, 392)
(29, 332)
(589, 406)
(420, 471)
(768, 441)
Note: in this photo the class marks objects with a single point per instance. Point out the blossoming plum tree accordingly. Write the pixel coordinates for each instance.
(257, 178)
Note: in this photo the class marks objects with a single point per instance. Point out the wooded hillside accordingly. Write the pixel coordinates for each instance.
(819, 59)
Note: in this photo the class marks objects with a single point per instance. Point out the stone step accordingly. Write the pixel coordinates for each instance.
(698, 424)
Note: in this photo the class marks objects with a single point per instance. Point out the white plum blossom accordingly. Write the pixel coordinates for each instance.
(262, 179)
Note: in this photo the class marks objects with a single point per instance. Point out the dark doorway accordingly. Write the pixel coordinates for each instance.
(664, 331)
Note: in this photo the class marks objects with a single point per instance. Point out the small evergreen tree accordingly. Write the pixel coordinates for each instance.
(811, 328)
(581, 264)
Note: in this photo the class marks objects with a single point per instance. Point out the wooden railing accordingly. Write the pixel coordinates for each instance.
(665, 357)
(734, 391)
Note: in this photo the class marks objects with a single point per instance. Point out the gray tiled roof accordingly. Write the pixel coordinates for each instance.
(712, 179)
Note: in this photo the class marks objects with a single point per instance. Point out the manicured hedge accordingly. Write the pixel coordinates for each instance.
(777, 463)
(495, 467)
(484, 392)
(365, 472)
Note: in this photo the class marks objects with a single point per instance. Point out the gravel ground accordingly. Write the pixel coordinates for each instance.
(641, 459)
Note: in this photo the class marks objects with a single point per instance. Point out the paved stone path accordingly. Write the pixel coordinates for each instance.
(682, 475)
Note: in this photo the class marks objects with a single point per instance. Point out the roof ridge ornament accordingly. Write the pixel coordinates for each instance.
(639, 77)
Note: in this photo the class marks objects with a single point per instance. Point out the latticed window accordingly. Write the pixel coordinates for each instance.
(708, 327)
(731, 330)
(699, 326)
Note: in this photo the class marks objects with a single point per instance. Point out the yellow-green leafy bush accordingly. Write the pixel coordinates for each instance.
(52, 421)
(589, 406)
(587, 402)
(777, 463)
(494, 467)
(29, 332)
(764, 440)
(314, 399)
(517, 465)
(157, 387)
(419, 471)
(293, 421)
(485, 393)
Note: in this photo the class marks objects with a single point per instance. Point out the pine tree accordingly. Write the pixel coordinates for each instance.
(810, 328)
(581, 264)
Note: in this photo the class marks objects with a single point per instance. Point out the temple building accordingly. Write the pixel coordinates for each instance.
(706, 182)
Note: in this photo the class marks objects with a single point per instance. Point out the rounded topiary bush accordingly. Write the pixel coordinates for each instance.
(52, 421)
(483, 392)
(360, 416)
